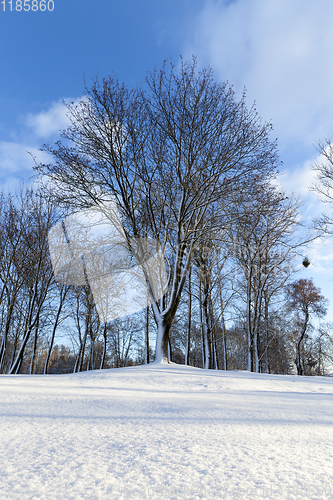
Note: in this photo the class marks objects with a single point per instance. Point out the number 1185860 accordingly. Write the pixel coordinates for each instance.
(25, 5)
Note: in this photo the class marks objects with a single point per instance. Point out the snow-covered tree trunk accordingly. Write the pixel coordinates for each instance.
(162, 340)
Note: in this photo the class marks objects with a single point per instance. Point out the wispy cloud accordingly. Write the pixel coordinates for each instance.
(49, 122)
(16, 163)
(16, 157)
(280, 50)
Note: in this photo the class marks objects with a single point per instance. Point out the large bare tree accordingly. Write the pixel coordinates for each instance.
(167, 153)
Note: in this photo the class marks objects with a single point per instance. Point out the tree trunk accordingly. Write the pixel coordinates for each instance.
(188, 341)
(169, 350)
(206, 332)
(56, 323)
(224, 343)
(33, 354)
(14, 349)
(104, 347)
(15, 368)
(249, 329)
(162, 341)
(6, 331)
(298, 345)
(29, 326)
(147, 337)
(266, 334)
(82, 351)
(215, 359)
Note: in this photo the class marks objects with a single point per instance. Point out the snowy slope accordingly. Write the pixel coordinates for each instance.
(166, 432)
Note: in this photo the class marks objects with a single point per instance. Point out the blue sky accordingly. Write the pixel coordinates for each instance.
(280, 50)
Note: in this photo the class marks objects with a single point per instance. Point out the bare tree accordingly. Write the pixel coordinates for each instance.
(87, 327)
(323, 186)
(323, 344)
(33, 264)
(13, 223)
(166, 154)
(62, 293)
(123, 334)
(305, 298)
(264, 244)
(25, 276)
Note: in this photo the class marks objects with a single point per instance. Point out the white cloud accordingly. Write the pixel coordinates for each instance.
(299, 180)
(15, 157)
(280, 50)
(16, 164)
(321, 256)
(50, 122)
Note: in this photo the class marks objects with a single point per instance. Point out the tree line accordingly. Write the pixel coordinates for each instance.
(192, 168)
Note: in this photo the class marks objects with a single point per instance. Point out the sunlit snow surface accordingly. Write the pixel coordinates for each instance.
(166, 432)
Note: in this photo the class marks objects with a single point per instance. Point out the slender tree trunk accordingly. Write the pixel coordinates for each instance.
(104, 347)
(63, 292)
(169, 350)
(256, 325)
(224, 343)
(189, 324)
(29, 326)
(2, 351)
(206, 339)
(34, 348)
(16, 366)
(78, 325)
(92, 354)
(201, 324)
(249, 329)
(147, 337)
(77, 361)
(298, 345)
(82, 351)
(49, 350)
(14, 349)
(215, 358)
(255, 348)
(9, 317)
(206, 316)
(266, 334)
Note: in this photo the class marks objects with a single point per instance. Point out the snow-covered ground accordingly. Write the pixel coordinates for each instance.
(165, 432)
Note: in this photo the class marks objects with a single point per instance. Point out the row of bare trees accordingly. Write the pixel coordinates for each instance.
(187, 166)
(239, 308)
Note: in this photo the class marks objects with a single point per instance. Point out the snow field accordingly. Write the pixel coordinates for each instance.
(166, 432)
